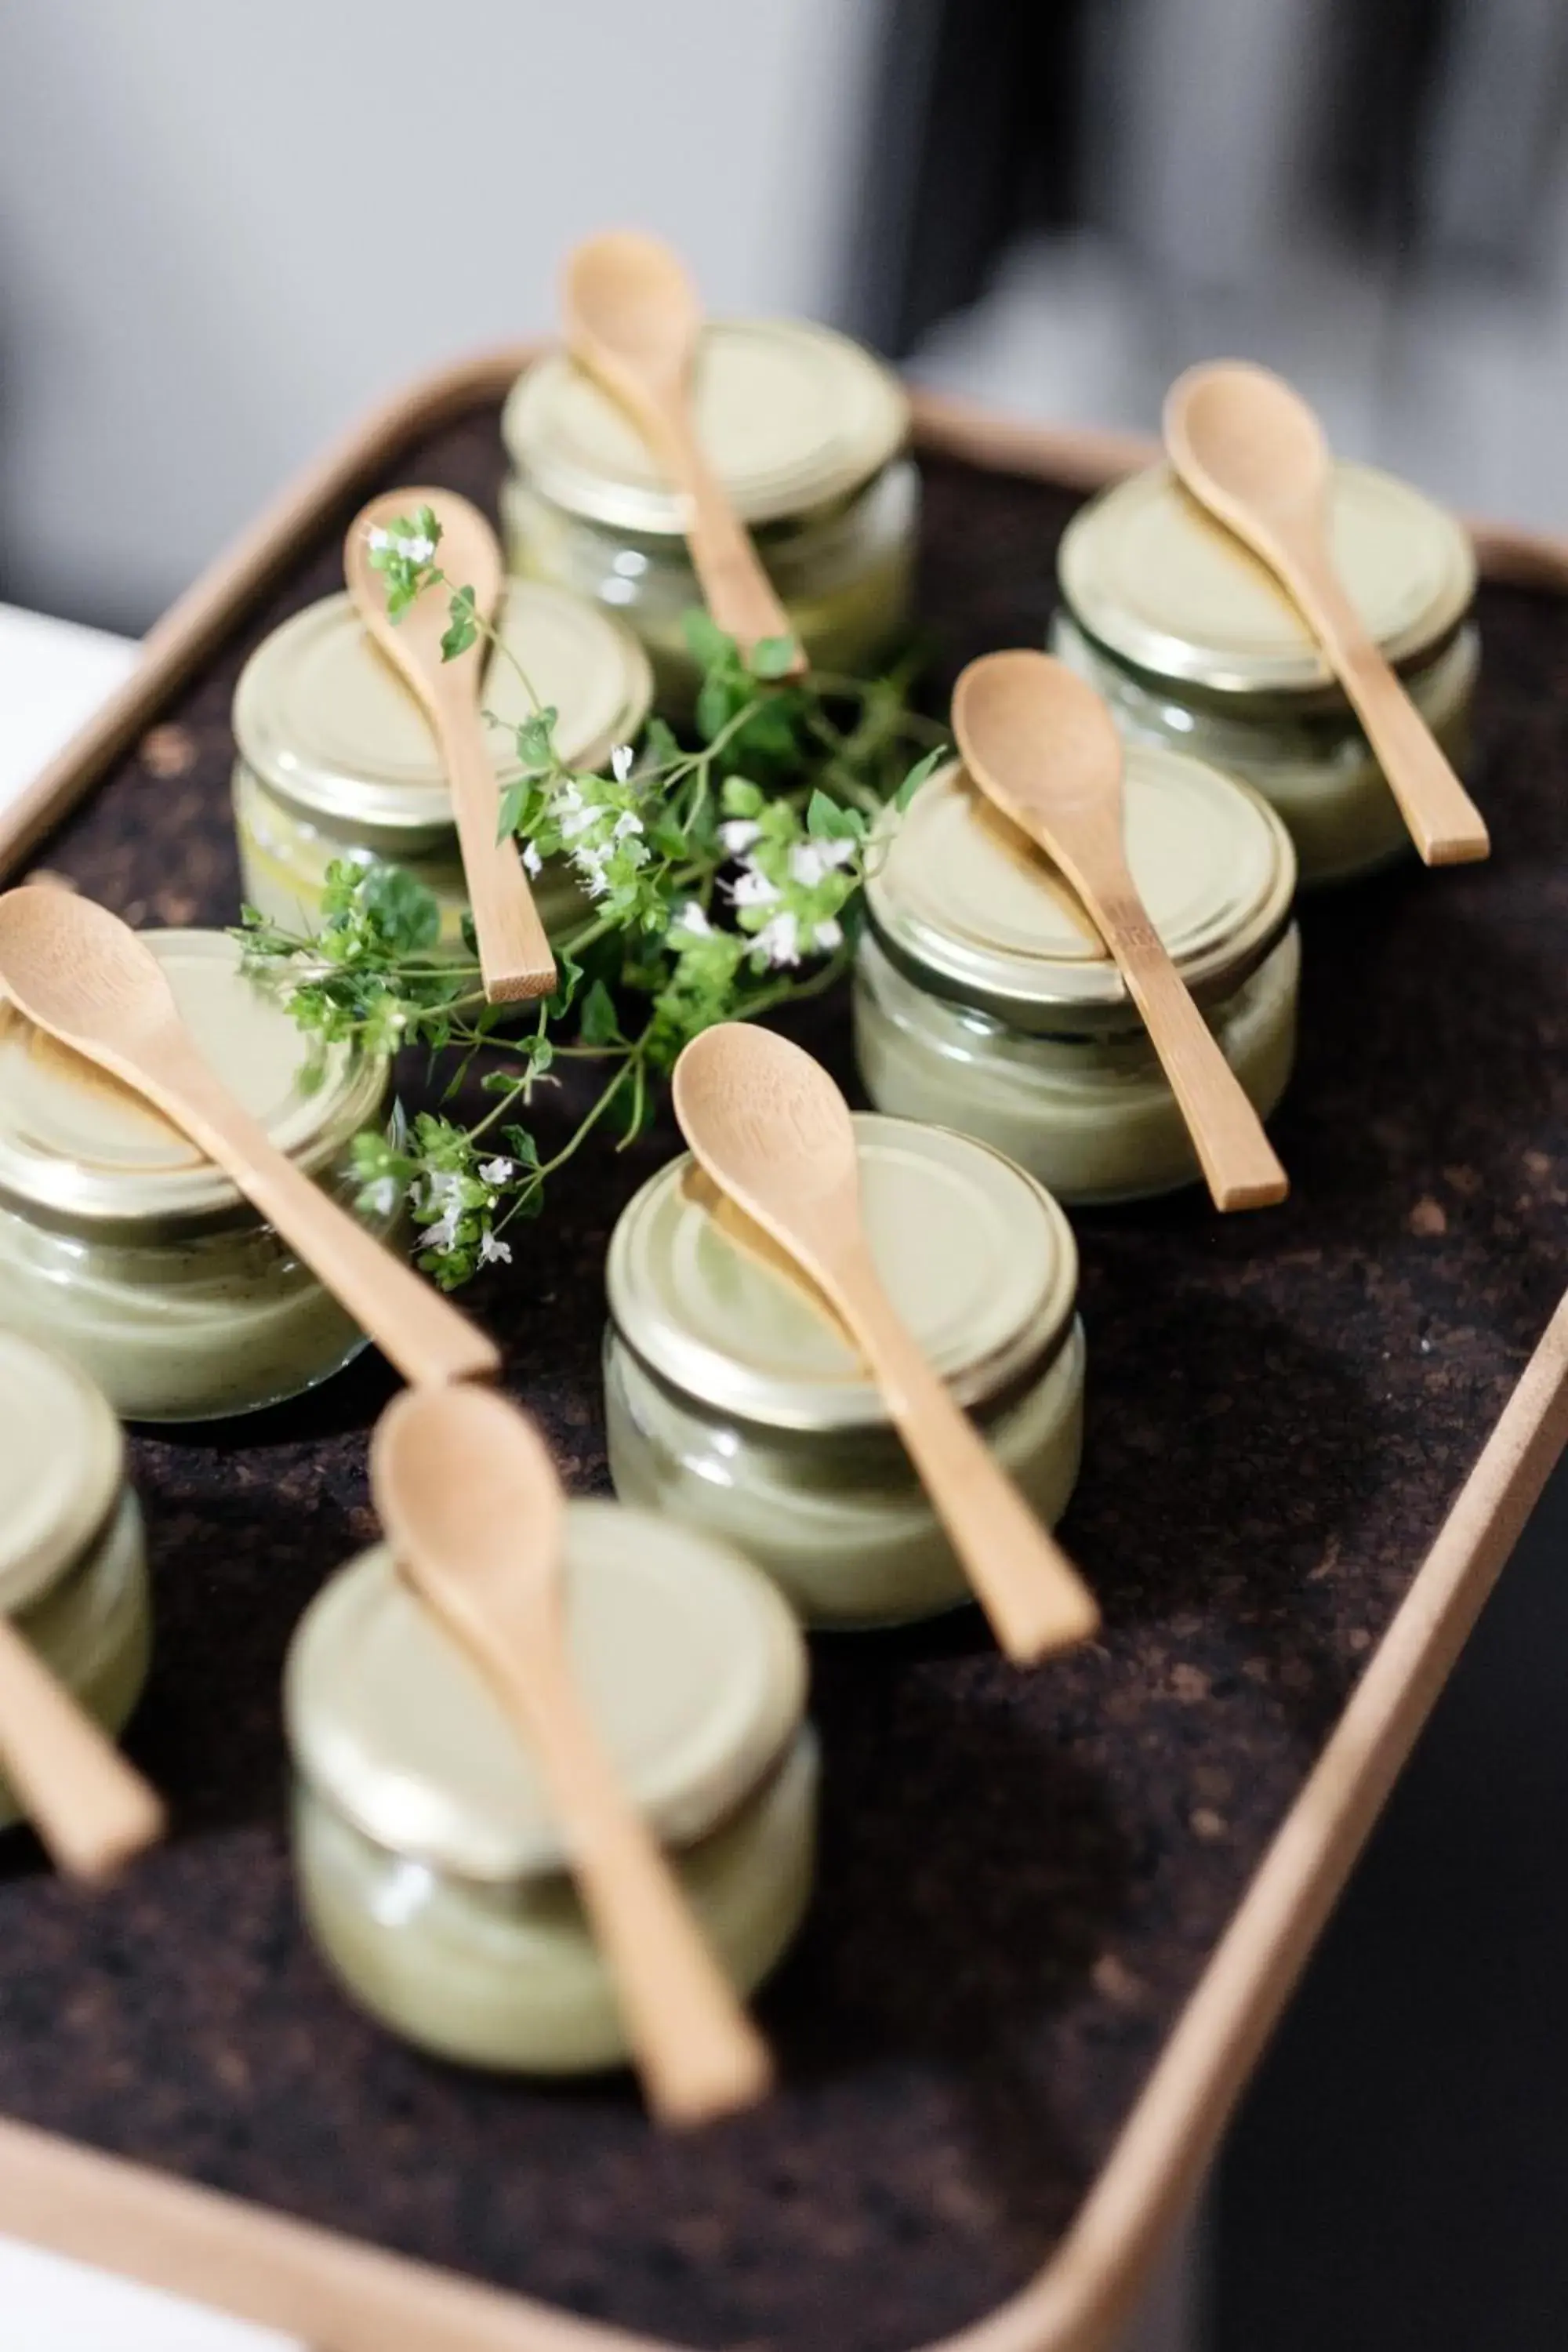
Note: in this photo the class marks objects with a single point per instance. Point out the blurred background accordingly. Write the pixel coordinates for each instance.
(225, 231)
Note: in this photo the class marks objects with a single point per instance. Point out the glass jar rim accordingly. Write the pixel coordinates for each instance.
(391, 1724)
(713, 1309)
(793, 416)
(62, 1469)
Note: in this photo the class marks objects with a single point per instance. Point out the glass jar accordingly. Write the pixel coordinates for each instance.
(805, 430)
(121, 1245)
(1194, 645)
(338, 760)
(432, 1871)
(73, 1571)
(984, 996)
(734, 1403)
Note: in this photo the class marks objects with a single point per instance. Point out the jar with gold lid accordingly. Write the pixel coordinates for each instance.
(734, 1403)
(984, 999)
(1194, 645)
(123, 1247)
(807, 432)
(337, 761)
(73, 1571)
(432, 1871)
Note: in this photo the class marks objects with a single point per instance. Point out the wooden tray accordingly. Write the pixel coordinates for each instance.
(1058, 1912)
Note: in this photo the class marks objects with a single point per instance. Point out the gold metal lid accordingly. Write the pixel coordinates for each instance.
(968, 905)
(690, 1665)
(1165, 588)
(321, 716)
(81, 1150)
(977, 1258)
(793, 417)
(62, 1462)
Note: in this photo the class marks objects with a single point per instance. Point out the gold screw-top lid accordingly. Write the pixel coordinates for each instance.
(322, 717)
(80, 1151)
(1146, 570)
(690, 1665)
(792, 416)
(978, 1260)
(62, 1462)
(966, 904)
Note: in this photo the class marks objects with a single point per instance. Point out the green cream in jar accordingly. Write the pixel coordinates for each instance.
(73, 1571)
(984, 998)
(337, 761)
(123, 1247)
(734, 1403)
(807, 431)
(1194, 645)
(433, 1873)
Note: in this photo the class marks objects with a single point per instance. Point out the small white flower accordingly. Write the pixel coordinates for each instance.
(621, 760)
(442, 1236)
(443, 1193)
(376, 538)
(692, 920)
(494, 1253)
(780, 940)
(574, 821)
(753, 889)
(738, 833)
(809, 861)
(590, 863)
(380, 1198)
(495, 1171)
(627, 821)
(829, 935)
(531, 860)
(418, 549)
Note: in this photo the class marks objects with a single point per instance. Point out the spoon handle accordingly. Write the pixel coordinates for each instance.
(1239, 1163)
(698, 2052)
(88, 1806)
(1032, 1595)
(736, 589)
(514, 954)
(411, 1323)
(1444, 821)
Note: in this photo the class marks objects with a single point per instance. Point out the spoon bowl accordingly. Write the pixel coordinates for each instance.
(79, 973)
(1250, 450)
(769, 1128)
(634, 323)
(1042, 747)
(515, 958)
(471, 1503)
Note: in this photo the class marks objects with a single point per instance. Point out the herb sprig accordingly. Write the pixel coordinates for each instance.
(721, 880)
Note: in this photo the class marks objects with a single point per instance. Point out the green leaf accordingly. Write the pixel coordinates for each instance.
(706, 641)
(499, 1082)
(739, 798)
(772, 657)
(522, 1146)
(663, 749)
(403, 912)
(828, 821)
(922, 770)
(464, 629)
(600, 1022)
(535, 749)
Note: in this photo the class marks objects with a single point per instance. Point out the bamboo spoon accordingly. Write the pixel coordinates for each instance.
(514, 954)
(1252, 452)
(633, 321)
(472, 1506)
(80, 973)
(91, 1809)
(1041, 744)
(769, 1127)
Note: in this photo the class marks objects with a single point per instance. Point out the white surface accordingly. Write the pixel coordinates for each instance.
(50, 2305)
(53, 675)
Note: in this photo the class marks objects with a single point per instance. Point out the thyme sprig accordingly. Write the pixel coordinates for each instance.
(721, 880)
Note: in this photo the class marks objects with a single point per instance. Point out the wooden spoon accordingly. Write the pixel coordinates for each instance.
(773, 1132)
(88, 1806)
(472, 1506)
(633, 321)
(1252, 452)
(1041, 744)
(514, 954)
(78, 971)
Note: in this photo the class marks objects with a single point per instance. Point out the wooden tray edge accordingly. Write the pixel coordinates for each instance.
(341, 2295)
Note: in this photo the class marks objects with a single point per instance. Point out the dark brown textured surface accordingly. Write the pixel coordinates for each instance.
(1021, 1874)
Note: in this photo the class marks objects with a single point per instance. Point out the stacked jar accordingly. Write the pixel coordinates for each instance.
(338, 761)
(1195, 645)
(984, 999)
(805, 430)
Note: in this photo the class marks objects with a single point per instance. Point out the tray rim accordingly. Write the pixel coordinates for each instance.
(339, 2294)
